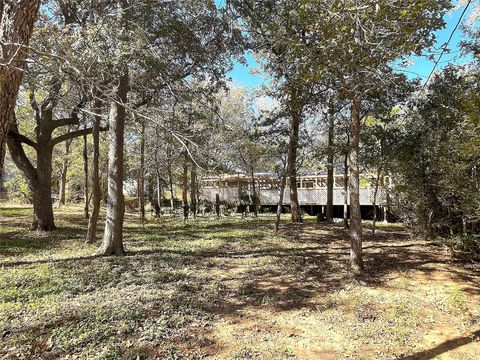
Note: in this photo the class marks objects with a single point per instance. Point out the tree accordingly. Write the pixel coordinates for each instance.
(248, 151)
(39, 177)
(435, 157)
(271, 27)
(63, 180)
(379, 133)
(113, 236)
(160, 45)
(365, 39)
(330, 158)
(96, 192)
(16, 26)
(141, 175)
(308, 49)
(186, 207)
(85, 177)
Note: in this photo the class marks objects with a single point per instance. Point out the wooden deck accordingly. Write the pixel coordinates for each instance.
(305, 196)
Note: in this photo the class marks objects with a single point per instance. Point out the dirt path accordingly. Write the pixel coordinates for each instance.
(415, 302)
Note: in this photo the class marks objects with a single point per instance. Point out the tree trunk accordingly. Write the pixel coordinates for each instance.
(356, 256)
(375, 193)
(159, 189)
(280, 199)
(254, 193)
(63, 180)
(386, 208)
(3, 151)
(16, 26)
(157, 170)
(86, 176)
(170, 184)
(185, 187)
(38, 179)
(96, 195)
(113, 236)
(345, 189)
(292, 168)
(193, 188)
(43, 219)
(63, 184)
(141, 177)
(330, 160)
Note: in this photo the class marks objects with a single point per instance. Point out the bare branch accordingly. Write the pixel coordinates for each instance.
(73, 134)
(65, 122)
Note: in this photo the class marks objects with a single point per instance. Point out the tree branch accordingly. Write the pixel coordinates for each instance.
(34, 105)
(74, 134)
(64, 122)
(19, 138)
(72, 120)
(21, 160)
(52, 96)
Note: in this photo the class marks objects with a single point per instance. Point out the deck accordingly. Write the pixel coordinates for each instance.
(305, 196)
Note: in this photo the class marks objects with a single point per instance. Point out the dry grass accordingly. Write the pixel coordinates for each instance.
(231, 289)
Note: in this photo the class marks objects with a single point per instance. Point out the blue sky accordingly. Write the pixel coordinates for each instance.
(422, 66)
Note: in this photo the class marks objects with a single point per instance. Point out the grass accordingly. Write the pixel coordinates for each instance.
(230, 289)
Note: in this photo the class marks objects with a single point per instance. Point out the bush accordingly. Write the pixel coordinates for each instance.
(465, 243)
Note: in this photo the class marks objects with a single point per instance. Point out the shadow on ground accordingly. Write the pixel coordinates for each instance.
(179, 279)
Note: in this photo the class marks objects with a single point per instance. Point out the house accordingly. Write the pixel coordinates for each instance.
(237, 190)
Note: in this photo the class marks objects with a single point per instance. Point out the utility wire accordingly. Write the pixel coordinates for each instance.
(446, 45)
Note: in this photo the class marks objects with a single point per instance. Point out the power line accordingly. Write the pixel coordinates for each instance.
(446, 45)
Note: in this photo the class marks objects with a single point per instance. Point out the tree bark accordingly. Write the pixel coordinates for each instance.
(170, 159)
(345, 191)
(16, 26)
(85, 172)
(3, 151)
(356, 256)
(185, 188)
(330, 160)
(375, 194)
(254, 193)
(157, 170)
(193, 188)
(141, 177)
(280, 198)
(39, 181)
(39, 178)
(170, 185)
(377, 180)
(43, 219)
(96, 194)
(217, 205)
(113, 236)
(63, 180)
(292, 167)
(159, 189)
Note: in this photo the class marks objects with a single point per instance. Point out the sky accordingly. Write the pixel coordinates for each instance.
(421, 66)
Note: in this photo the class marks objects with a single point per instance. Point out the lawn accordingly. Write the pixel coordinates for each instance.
(231, 289)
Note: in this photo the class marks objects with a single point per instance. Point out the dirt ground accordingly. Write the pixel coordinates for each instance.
(414, 302)
(231, 289)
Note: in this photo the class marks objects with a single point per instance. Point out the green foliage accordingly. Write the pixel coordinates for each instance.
(17, 188)
(435, 159)
(466, 243)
